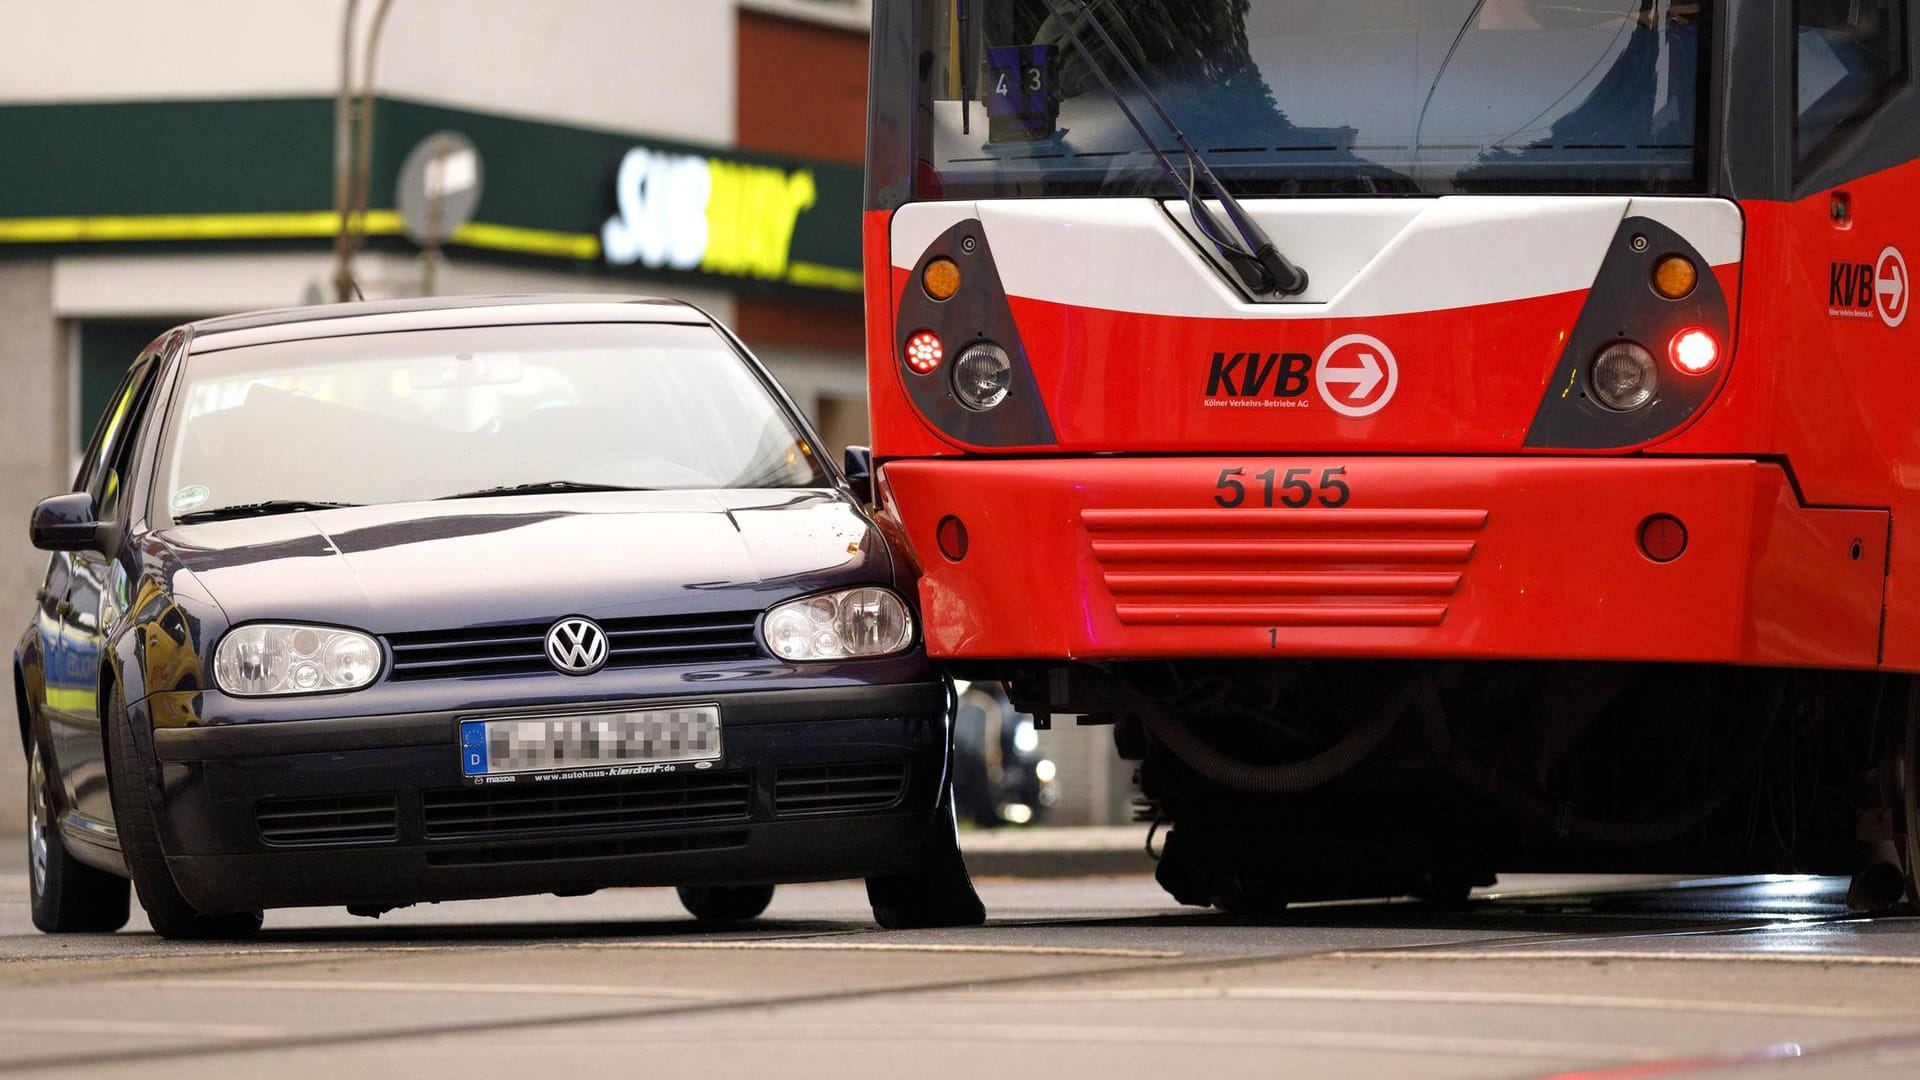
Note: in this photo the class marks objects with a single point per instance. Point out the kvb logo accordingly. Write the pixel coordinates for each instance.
(1257, 380)
(1890, 287)
(1861, 290)
(1357, 375)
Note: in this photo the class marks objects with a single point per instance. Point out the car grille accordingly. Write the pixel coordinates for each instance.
(328, 819)
(659, 799)
(821, 788)
(568, 850)
(522, 649)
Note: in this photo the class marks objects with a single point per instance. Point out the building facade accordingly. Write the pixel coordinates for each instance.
(160, 163)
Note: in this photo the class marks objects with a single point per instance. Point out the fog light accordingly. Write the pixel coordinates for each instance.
(924, 352)
(1663, 538)
(1674, 276)
(982, 376)
(1694, 351)
(952, 535)
(941, 278)
(1624, 377)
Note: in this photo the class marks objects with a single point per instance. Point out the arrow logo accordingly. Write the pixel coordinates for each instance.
(1890, 286)
(1363, 379)
(1366, 367)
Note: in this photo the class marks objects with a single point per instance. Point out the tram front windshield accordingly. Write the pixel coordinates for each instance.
(1303, 97)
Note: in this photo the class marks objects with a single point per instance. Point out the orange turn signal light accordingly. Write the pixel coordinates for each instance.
(941, 278)
(1674, 276)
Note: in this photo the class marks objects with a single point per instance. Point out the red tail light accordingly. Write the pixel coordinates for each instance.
(924, 352)
(1694, 351)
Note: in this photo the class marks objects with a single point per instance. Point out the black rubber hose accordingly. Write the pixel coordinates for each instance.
(1202, 757)
(1558, 819)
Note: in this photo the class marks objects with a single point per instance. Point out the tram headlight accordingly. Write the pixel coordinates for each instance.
(1624, 377)
(982, 376)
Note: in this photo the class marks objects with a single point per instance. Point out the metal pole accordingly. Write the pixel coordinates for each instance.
(342, 159)
(436, 202)
(363, 163)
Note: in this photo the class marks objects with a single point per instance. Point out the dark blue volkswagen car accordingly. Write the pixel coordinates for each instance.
(375, 604)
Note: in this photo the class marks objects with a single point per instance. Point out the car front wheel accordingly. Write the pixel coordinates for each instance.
(132, 784)
(67, 896)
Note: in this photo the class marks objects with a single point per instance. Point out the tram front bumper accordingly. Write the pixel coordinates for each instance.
(1429, 557)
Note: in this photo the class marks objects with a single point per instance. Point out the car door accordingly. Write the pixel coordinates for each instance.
(49, 617)
(92, 604)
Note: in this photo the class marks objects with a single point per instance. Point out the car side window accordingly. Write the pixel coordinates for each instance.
(1849, 55)
(106, 433)
(117, 435)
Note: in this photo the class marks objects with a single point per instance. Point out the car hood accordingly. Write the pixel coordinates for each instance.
(531, 558)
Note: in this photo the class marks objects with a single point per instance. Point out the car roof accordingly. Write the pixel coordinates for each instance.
(434, 313)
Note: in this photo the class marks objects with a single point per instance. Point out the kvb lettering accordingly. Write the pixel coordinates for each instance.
(1250, 375)
(1850, 285)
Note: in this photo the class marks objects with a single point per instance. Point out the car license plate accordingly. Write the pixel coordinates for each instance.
(588, 745)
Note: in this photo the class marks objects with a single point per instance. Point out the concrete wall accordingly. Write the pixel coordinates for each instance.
(35, 382)
(659, 67)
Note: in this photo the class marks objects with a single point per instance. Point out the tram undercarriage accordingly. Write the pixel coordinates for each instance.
(1283, 782)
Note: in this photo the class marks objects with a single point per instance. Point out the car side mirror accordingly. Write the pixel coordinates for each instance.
(68, 522)
(859, 468)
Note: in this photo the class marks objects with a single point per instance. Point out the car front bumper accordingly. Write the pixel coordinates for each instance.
(372, 811)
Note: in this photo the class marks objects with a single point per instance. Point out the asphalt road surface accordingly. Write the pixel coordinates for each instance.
(1071, 977)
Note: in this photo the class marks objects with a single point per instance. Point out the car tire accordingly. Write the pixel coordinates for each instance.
(939, 893)
(131, 783)
(66, 895)
(725, 903)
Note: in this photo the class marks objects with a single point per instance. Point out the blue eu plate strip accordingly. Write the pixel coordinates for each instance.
(473, 748)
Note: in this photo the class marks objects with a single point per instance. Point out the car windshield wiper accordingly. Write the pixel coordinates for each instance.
(1253, 256)
(541, 488)
(258, 509)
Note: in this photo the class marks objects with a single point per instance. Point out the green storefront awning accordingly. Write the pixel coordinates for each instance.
(135, 175)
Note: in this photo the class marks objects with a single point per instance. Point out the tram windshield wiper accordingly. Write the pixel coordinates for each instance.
(256, 509)
(1249, 250)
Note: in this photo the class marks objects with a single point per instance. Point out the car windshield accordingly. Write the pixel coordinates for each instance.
(403, 417)
(1300, 96)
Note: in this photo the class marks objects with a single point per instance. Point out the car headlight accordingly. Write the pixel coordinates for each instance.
(841, 625)
(276, 658)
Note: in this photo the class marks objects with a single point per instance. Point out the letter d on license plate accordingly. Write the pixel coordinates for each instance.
(585, 745)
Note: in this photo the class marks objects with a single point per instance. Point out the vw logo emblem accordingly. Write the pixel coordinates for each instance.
(577, 646)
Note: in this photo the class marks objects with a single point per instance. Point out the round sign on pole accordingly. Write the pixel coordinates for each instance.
(439, 187)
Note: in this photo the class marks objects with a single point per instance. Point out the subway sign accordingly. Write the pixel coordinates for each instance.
(687, 212)
(613, 203)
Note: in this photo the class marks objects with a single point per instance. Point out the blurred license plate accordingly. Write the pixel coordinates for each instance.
(595, 744)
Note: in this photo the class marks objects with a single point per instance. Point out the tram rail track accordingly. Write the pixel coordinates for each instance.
(1084, 965)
